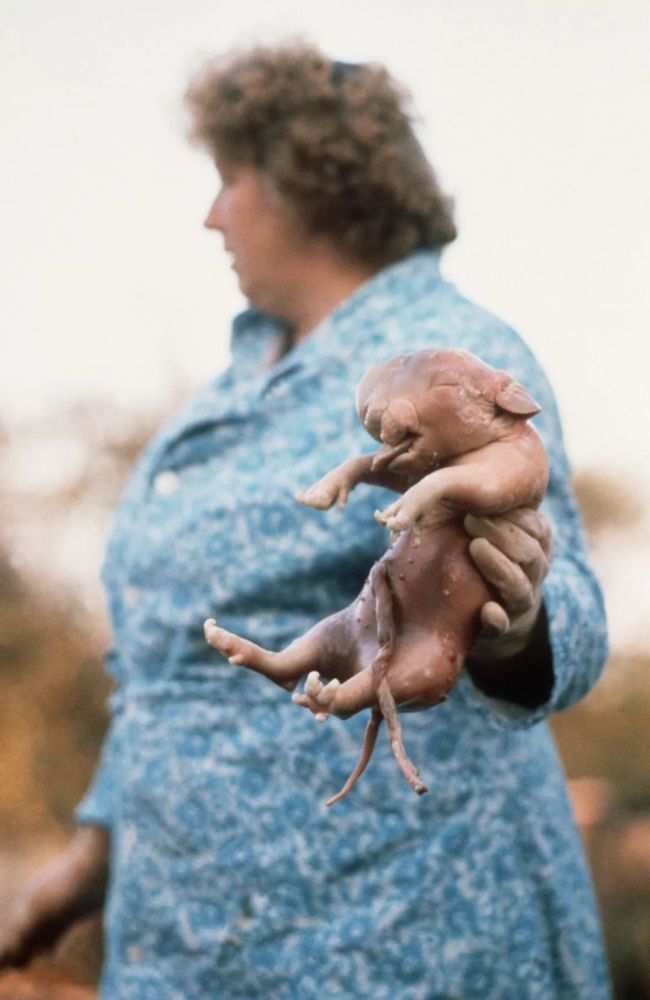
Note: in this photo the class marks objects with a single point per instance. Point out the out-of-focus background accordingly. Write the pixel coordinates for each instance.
(115, 304)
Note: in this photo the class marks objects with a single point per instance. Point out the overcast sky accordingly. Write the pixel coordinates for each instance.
(534, 111)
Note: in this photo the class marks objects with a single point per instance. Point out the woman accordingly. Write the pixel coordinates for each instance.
(228, 876)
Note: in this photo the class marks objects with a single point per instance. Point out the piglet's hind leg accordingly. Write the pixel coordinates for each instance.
(285, 668)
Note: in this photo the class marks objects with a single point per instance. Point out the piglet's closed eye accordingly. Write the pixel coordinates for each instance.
(399, 418)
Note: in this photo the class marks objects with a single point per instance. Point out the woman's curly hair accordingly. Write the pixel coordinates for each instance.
(335, 139)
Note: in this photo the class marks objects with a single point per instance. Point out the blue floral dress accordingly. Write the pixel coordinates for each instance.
(230, 877)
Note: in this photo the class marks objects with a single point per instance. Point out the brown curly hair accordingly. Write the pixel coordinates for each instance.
(336, 140)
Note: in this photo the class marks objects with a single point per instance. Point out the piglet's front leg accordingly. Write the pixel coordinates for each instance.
(467, 487)
(336, 486)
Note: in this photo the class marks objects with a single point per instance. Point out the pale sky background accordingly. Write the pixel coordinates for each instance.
(535, 113)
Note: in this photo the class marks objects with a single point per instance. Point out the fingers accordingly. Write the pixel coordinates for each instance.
(530, 549)
(494, 620)
(512, 553)
(535, 524)
(508, 578)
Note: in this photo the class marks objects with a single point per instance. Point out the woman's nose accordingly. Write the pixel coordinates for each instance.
(213, 219)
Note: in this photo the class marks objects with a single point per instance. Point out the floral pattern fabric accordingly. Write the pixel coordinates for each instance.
(230, 877)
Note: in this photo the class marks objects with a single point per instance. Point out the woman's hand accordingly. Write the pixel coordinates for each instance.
(513, 554)
(72, 886)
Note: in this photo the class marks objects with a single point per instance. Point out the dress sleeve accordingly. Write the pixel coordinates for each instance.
(577, 627)
(97, 806)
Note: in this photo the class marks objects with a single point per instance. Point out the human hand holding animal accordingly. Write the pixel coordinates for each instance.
(454, 440)
(512, 551)
(513, 554)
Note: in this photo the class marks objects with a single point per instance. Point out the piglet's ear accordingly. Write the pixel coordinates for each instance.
(514, 399)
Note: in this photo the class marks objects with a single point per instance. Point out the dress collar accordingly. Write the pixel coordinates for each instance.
(350, 329)
(255, 334)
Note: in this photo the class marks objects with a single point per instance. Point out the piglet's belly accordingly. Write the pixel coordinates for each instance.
(436, 597)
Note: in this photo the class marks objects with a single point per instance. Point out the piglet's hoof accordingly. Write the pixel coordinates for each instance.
(323, 495)
(230, 645)
(395, 522)
(317, 697)
(313, 497)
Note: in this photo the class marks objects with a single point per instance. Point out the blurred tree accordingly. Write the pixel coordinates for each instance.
(605, 744)
(53, 690)
(606, 502)
(52, 683)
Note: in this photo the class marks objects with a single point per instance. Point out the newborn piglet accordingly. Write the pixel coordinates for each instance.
(454, 440)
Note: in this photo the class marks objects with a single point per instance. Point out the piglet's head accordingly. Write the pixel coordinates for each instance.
(431, 406)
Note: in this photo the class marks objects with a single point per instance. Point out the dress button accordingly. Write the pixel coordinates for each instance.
(166, 483)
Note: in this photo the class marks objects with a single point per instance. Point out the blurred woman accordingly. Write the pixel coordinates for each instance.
(227, 875)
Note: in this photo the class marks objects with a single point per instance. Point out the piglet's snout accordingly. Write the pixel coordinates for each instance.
(389, 453)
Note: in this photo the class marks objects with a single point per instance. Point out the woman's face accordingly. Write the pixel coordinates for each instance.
(266, 243)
